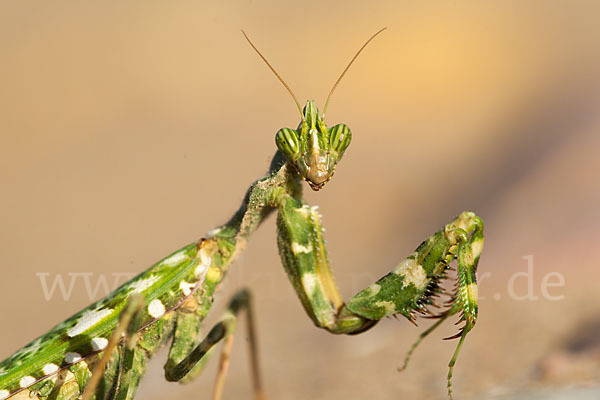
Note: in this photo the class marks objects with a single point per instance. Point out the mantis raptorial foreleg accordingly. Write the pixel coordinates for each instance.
(409, 289)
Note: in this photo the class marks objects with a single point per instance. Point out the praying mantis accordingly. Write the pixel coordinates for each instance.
(102, 351)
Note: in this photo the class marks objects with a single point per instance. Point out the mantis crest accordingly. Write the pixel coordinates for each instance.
(102, 351)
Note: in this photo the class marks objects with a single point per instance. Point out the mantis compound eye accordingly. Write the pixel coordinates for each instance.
(288, 143)
(339, 138)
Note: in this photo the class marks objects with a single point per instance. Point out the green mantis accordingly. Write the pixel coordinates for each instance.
(103, 351)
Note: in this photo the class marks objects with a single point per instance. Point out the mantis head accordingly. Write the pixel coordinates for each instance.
(313, 149)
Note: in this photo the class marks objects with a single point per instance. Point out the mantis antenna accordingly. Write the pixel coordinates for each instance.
(347, 67)
(276, 74)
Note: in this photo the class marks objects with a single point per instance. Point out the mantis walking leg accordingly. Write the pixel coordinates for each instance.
(224, 329)
(131, 357)
(126, 354)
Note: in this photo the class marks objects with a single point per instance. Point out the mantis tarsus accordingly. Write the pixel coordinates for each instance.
(102, 351)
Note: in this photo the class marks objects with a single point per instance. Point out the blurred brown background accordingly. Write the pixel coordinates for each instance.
(129, 129)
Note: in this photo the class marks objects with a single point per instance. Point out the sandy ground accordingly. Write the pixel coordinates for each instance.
(129, 130)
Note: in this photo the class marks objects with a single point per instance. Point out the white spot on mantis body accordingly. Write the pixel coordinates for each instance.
(26, 381)
(4, 394)
(297, 248)
(472, 292)
(88, 320)
(205, 261)
(389, 307)
(304, 210)
(201, 270)
(205, 258)
(99, 343)
(314, 210)
(412, 272)
(156, 308)
(50, 369)
(186, 288)
(374, 289)
(307, 211)
(477, 247)
(213, 232)
(175, 259)
(71, 358)
(309, 281)
(143, 284)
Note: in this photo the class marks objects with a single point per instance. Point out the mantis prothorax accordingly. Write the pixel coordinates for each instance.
(102, 351)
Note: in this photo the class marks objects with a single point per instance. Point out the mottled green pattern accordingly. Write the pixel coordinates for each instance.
(51, 347)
